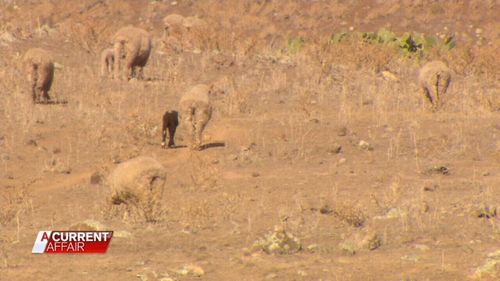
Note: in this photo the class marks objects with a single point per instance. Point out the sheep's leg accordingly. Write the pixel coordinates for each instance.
(189, 121)
(45, 96)
(33, 78)
(202, 118)
(164, 129)
(427, 96)
(117, 49)
(140, 75)
(171, 135)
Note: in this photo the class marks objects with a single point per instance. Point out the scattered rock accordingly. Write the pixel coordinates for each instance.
(411, 258)
(122, 234)
(365, 145)
(148, 275)
(341, 161)
(371, 241)
(96, 178)
(422, 247)
(191, 270)
(349, 247)
(342, 132)
(255, 174)
(491, 267)
(313, 248)
(335, 149)
(278, 241)
(443, 170)
(325, 210)
(389, 76)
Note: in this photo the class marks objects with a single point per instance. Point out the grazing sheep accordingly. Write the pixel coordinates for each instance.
(170, 122)
(434, 78)
(40, 67)
(107, 62)
(134, 45)
(139, 184)
(198, 32)
(173, 25)
(195, 111)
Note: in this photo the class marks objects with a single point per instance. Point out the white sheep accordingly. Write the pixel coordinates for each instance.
(195, 112)
(40, 68)
(133, 44)
(434, 78)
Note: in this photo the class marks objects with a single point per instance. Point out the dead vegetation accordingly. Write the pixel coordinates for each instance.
(329, 141)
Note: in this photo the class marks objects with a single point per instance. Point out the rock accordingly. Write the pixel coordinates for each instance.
(371, 241)
(192, 270)
(96, 178)
(491, 266)
(278, 241)
(422, 247)
(365, 145)
(313, 248)
(389, 76)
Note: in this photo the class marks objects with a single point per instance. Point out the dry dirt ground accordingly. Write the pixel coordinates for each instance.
(307, 137)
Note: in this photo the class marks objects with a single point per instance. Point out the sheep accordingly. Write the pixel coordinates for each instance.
(139, 184)
(133, 44)
(434, 78)
(107, 62)
(174, 25)
(196, 111)
(40, 68)
(170, 122)
(198, 32)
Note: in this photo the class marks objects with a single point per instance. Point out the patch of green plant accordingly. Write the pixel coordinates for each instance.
(294, 45)
(386, 36)
(337, 37)
(409, 44)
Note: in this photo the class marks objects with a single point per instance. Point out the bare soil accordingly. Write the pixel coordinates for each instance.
(311, 138)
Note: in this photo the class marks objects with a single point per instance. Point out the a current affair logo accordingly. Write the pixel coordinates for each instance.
(72, 242)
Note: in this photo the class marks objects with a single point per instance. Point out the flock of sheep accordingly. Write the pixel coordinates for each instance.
(130, 53)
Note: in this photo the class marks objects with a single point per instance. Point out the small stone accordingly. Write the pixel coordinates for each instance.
(341, 161)
(255, 174)
(479, 31)
(389, 76)
(365, 145)
(192, 270)
(313, 248)
(302, 273)
(96, 178)
(371, 241)
(422, 247)
(342, 132)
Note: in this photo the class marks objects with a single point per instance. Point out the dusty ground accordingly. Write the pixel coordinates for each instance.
(313, 140)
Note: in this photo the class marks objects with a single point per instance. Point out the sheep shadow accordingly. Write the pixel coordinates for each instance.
(212, 145)
(52, 102)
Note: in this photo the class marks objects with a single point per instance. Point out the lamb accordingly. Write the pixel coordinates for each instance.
(133, 44)
(434, 78)
(196, 111)
(170, 122)
(107, 62)
(40, 68)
